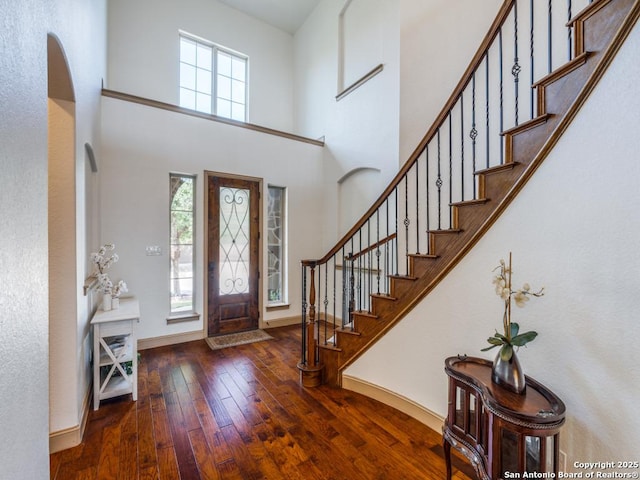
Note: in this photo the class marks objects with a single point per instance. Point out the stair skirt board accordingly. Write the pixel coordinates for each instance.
(395, 400)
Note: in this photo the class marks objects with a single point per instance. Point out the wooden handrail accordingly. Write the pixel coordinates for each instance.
(453, 98)
(372, 247)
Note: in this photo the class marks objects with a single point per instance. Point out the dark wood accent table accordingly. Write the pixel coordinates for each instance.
(500, 432)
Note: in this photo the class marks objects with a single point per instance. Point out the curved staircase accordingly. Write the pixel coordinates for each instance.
(441, 202)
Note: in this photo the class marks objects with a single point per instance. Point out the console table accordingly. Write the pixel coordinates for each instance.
(115, 352)
(499, 431)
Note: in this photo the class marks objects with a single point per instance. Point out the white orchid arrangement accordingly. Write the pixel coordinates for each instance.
(119, 288)
(103, 260)
(511, 337)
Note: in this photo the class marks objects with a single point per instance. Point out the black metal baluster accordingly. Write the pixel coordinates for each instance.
(500, 63)
(427, 189)
(462, 146)
(352, 283)
(417, 208)
(531, 50)
(550, 37)
(335, 279)
(326, 300)
(352, 291)
(369, 266)
(473, 133)
(407, 222)
(360, 292)
(387, 258)
(439, 185)
(515, 70)
(450, 170)
(487, 105)
(378, 251)
(569, 30)
(396, 252)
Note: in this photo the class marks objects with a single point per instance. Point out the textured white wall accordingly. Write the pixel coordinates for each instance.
(24, 351)
(361, 130)
(147, 64)
(429, 71)
(573, 229)
(142, 146)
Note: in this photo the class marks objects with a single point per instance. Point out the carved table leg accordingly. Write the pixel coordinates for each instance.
(447, 456)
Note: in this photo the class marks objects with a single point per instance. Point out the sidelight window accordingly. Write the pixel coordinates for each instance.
(276, 236)
(182, 195)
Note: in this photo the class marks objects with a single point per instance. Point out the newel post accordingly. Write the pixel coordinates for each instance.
(310, 368)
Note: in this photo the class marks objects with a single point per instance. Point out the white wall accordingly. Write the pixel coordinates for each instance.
(142, 145)
(573, 229)
(144, 52)
(438, 40)
(24, 351)
(361, 130)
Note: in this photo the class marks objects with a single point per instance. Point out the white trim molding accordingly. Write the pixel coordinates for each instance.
(72, 436)
(163, 341)
(395, 400)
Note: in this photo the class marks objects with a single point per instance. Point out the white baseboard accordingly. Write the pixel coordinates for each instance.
(146, 343)
(72, 436)
(280, 322)
(395, 400)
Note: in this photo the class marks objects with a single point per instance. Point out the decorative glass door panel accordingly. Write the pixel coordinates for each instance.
(232, 255)
(234, 241)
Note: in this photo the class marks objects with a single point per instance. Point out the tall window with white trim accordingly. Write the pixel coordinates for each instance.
(213, 79)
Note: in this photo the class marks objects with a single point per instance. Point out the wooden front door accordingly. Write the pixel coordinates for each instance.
(233, 222)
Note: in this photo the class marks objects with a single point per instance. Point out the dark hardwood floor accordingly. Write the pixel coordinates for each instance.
(240, 413)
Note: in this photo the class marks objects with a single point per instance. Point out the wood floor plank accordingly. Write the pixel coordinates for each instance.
(146, 439)
(241, 414)
(167, 464)
(202, 453)
(109, 463)
(179, 434)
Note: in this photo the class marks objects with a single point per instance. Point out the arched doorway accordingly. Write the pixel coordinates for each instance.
(63, 286)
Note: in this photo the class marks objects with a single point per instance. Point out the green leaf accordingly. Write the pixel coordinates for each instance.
(488, 348)
(523, 338)
(506, 352)
(501, 337)
(514, 329)
(495, 341)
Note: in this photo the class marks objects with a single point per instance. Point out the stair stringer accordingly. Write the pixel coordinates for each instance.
(563, 93)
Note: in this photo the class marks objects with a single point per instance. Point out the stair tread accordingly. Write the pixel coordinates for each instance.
(497, 168)
(364, 313)
(430, 256)
(384, 296)
(476, 201)
(445, 231)
(524, 126)
(402, 277)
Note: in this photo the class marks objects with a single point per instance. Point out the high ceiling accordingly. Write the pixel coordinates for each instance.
(287, 15)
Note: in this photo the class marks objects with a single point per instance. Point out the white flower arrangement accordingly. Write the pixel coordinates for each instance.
(511, 337)
(103, 260)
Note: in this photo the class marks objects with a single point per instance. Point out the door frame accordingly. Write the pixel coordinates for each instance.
(205, 256)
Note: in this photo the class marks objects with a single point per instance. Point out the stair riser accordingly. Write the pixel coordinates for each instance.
(399, 286)
(366, 324)
(419, 265)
